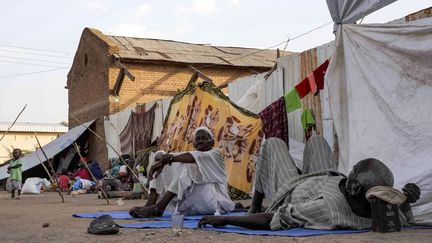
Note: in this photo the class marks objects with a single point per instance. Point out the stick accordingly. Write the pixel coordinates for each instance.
(13, 123)
(8, 150)
(46, 169)
(52, 168)
(94, 178)
(118, 154)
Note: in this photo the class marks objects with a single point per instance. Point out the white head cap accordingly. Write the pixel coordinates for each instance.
(204, 129)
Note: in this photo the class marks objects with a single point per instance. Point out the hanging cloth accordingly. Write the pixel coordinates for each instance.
(275, 120)
(292, 101)
(238, 132)
(313, 82)
(143, 128)
(138, 131)
(308, 122)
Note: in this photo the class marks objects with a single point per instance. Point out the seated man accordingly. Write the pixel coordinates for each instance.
(82, 171)
(195, 181)
(320, 198)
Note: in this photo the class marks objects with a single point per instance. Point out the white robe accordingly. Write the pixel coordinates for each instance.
(201, 187)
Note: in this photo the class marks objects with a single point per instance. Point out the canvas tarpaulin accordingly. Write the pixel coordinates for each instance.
(348, 11)
(238, 133)
(114, 124)
(51, 149)
(380, 90)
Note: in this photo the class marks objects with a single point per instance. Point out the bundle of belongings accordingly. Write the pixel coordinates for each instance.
(385, 203)
(34, 185)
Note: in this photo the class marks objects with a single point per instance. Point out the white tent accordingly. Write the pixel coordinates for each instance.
(380, 89)
(51, 149)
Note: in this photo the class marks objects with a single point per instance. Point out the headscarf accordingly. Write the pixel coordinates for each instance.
(204, 129)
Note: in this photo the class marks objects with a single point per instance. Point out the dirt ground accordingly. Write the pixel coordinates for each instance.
(21, 221)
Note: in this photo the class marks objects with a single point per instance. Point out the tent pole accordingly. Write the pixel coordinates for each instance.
(45, 168)
(52, 168)
(91, 173)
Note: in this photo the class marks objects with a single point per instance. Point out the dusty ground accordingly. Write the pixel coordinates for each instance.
(21, 221)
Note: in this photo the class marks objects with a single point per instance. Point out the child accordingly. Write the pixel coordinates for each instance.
(64, 181)
(15, 171)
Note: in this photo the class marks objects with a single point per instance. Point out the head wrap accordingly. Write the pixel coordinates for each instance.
(204, 129)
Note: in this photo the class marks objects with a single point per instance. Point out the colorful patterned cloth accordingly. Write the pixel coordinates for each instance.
(238, 133)
(275, 120)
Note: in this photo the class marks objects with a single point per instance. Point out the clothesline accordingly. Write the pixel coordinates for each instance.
(274, 116)
(275, 45)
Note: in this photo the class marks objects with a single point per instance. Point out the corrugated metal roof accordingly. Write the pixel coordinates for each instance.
(181, 52)
(34, 127)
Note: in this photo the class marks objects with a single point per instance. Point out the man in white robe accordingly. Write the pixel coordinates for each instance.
(195, 181)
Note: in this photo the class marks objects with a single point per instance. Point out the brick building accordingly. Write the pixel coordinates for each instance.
(111, 73)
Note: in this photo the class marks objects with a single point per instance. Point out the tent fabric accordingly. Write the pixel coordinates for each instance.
(249, 99)
(143, 128)
(238, 133)
(260, 92)
(348, 11)
(161, 110)
(137, 133)
(114, 125)
(51, 149)
(380, 91)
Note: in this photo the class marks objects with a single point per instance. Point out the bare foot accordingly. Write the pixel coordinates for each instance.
(145, 212)
(253, 210)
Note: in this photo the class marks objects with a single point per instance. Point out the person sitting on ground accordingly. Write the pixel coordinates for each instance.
(113, 168)
(320, 198)
(125, 175)
(82, 171)
(96, 169)
(64, 182)
(195, 182)
(15, 171)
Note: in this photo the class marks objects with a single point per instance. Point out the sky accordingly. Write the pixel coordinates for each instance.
(38, 39)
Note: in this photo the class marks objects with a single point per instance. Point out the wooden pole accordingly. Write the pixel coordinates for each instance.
(94, 178)
(13, 123)
(52, 168)
(118, 154)
(45, 168)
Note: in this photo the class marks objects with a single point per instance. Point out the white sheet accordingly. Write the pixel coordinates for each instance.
(114, 125)
(380, 89)
(255, 93)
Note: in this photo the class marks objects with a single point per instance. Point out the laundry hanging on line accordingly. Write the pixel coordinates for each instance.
(275, 120)
(313, 82)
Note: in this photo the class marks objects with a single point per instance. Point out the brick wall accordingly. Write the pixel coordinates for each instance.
(155, 81)
(93, 76)
(88, 90)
